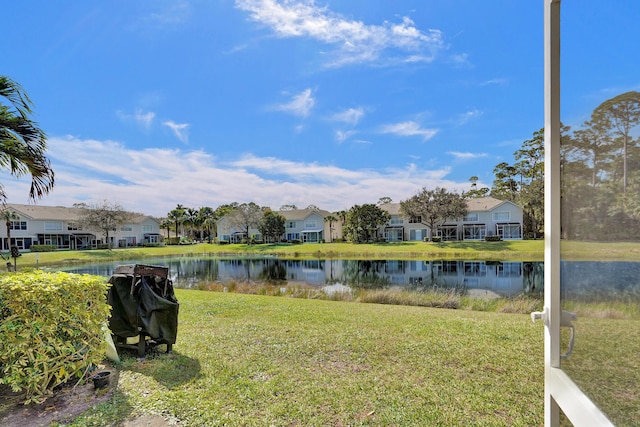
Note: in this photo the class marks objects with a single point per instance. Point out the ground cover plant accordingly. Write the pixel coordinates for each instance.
(260, 360)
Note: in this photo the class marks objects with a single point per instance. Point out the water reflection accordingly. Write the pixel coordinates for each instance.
(503, 278)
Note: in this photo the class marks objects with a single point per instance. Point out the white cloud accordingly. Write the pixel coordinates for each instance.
(170, 14)
(409, 128)
(139, 117)
(145, 119)
(300, 105)
(351, 116)
(468, 115)
(497, 82)
(153, 181)
(342, 136)
(354, 41)
(466, 155)
(180, 130)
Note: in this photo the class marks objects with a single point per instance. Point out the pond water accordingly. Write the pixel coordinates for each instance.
(504, 278)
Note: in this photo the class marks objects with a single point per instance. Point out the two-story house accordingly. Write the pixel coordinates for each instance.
(486, 216)
(60, 226)
(305, 225)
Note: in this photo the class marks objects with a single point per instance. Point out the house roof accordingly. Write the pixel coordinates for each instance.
(60, 213)
(473, 205)
(38, 212)
(392, 208)
(481, 204)
(300, 214)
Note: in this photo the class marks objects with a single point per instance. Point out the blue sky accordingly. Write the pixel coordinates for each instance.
(332, 103)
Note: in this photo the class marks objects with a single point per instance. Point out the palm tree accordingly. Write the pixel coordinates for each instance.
(177, 217)
(191, 219)
(165, 224)
(331, 218)
(207, 219)
(9, 216)
(22, 143)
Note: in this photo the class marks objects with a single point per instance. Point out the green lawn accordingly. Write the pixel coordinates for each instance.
(244, 360)
(523, 250)
(516, 250)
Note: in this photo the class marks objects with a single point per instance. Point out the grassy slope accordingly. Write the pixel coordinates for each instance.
(256, 360)
(525, 250)
(517, 250)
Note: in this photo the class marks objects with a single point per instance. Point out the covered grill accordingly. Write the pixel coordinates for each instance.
(144, 307)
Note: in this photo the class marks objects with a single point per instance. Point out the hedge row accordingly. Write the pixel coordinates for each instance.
(51, 329)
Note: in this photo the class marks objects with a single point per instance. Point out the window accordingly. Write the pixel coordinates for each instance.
(18, 225)
(415, 220)
(396, 220)
(501, 216)
(471, 217)
(72, 226)
(146, 228)
(291, 224)
(310, 224)
(126, 227)
(53, 226)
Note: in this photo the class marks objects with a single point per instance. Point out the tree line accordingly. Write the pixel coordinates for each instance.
(600, 175)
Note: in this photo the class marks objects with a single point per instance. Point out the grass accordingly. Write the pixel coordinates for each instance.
(604, 363)
(516, 250)
(273, 360)
(244, 360)
(523, 250)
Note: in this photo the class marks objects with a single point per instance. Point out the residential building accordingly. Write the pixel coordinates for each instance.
(302, 225)
(305, 225)
(60, 226)
(486, 216)
(227, 232)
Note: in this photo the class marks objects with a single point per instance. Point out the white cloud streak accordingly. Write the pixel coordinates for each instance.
(300, 105)
(154, 180)
(180, 130)
(354, 41)
(408, 128)
(466, 155)
(350, 116)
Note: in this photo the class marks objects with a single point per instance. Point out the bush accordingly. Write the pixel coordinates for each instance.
(495, 238)
(43, 248)
(435, 239)
(51, 330)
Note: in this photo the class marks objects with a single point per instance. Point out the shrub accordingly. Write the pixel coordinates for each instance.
(495, 238)
(51, 330)
(435, 239)
(43, 248)
(223, 242)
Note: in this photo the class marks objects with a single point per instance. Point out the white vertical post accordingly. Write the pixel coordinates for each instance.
(559, 390)
(551, 200)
